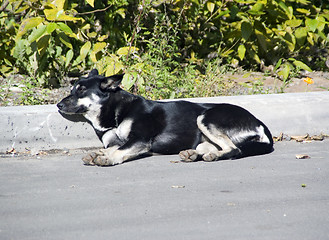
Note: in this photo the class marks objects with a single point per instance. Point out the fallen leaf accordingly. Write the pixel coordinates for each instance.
(279, 138)
(282, 137)
(302, 156)
(11, 151)
(175, 161)
(318, 137)
(42, 153)
(300, 138)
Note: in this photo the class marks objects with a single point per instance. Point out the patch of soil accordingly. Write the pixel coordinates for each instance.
(14, 92)
(259, 83)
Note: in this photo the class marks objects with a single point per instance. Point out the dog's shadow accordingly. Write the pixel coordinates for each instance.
(73, 117)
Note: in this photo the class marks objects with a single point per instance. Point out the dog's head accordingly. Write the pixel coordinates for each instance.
(89, 92)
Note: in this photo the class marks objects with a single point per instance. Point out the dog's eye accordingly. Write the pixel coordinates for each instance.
(81, 89)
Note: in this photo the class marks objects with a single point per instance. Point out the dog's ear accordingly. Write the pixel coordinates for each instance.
(112, 82)
(93, 72)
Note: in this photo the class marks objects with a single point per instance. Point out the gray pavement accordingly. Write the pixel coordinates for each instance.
(56, 197)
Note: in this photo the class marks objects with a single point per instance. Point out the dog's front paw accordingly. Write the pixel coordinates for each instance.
(189, 155)
(89, 158)
(100, 158)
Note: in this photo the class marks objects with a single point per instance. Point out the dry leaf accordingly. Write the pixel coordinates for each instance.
(175, 161)
(304, 138)
(42, 153)
(11, 151)
(318, 137)
(300, 138)
(302, 156)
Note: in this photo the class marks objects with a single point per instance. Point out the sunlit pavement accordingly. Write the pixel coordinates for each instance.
(274, 196)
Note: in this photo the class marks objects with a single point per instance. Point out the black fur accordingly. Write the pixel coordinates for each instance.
(162, 127)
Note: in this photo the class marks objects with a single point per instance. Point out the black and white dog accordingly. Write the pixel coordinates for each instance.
(130, 126)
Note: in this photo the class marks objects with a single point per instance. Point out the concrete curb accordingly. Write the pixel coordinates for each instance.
(43, 128)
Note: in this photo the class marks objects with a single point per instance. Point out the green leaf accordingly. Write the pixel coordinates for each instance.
(121, 12)
(43, 43)
(241, 51)
(28, 24)
(84, 50)
(254, 55)
(99, 46)
(23, 8)
(96, 54)
(288, 10)
(66, 29)
(8, 62)
(69, 56)
(294, 23)
(125, 50)
(246, 30)
(54, 13)
(90, 2)
(37, 33)
(50, 12)
(129, 80)
(278, 64)
(210, 7)
(261, 39)
(304, 11)
(302, 65)
(65, 39)
(301, 34)
(60, 4)
(310, 38)
(51, 27)
(20, 48)
(290, 41)
(321, 23)
(285, 72)
(305, 2)
(312, 24)
(257, 9)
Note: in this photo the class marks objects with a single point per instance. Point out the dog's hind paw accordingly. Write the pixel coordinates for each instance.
(209, 157)
(89, 158)
(189, 155)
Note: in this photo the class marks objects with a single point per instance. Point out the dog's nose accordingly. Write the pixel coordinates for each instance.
(60, 105)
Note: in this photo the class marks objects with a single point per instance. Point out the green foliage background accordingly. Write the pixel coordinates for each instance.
(166, 48)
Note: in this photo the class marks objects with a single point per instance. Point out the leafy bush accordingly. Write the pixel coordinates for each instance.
(165, 48)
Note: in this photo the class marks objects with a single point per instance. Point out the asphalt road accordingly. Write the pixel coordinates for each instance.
(262, 197)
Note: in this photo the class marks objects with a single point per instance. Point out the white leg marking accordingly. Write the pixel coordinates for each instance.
(205, 147)
(215, 135)
(113, 155)
(218, 138)
(109, 137)
(124, 129)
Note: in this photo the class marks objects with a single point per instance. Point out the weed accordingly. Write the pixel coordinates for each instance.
(28, 96)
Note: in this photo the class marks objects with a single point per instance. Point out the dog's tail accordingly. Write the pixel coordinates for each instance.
(263, 144)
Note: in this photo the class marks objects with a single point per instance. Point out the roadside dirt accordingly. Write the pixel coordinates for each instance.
(13, 92)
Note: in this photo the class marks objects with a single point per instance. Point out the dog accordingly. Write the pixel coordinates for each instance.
(131, 126)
